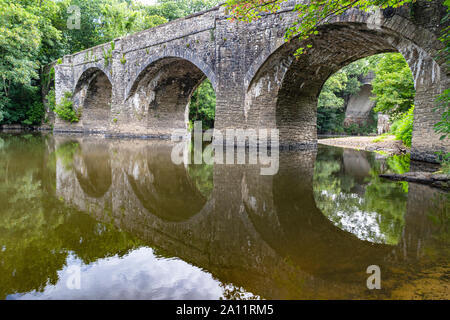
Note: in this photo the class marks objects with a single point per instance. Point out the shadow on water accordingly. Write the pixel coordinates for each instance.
(163, 188)
(143, 227)
(93, 169)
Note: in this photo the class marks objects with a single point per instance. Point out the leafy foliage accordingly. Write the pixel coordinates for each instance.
(393, 85)
(402, 127)
(51, 99)
(28, 40)
(34, 114)
(174, 9)
(65, 109)
(19, 43)
(203, 105)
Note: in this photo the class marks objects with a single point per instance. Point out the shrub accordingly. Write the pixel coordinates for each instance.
(330, 120)
(65, 110)
(402, 128)
(445, 163)
(35, 114)
(352, 129)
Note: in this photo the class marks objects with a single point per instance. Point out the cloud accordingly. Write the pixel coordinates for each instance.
(138, 275)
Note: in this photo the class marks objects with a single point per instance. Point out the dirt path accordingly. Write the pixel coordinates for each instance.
(386, 144)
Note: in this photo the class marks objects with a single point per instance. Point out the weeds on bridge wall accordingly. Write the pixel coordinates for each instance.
(123, 60)
(107, 54)
(65, 110)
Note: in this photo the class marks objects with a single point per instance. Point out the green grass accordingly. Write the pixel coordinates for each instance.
(381, 138)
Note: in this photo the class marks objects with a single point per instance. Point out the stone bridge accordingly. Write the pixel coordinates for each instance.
(359, 105)
(141, 84)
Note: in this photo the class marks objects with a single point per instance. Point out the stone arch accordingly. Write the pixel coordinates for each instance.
(283, 92)
(184, 54)
(160, 94)
(88, 69)
(398, 24)
(92, 96)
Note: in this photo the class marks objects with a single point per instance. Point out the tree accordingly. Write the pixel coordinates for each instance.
(27, 41)
(331, 94)
(103, 21)
(174, 9)
(20, 39)
(203, 105)
(393, 85)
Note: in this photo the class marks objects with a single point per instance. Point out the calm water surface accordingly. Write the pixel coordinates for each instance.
(134, 225)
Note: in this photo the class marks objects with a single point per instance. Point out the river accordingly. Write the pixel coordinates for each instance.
(85, 217)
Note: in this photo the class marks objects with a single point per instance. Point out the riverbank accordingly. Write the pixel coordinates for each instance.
(386, 144)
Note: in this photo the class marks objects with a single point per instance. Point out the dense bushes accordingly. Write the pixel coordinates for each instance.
(330, 120)
(22, 106)
(402, 128)
(65, 109)
(34, 114)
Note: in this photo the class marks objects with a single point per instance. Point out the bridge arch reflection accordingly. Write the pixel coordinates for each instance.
(263, 233)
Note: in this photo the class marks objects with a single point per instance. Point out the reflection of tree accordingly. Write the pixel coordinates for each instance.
(399, 164)
(388, 200)
(37, 231)
(65, 153)
(230, 292)
(373, 210)
(202, 176)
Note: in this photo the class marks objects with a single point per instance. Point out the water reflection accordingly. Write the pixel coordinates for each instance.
(142, 227)
(92, 167)
(349, 192)
(163, 188)
(138, 275)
